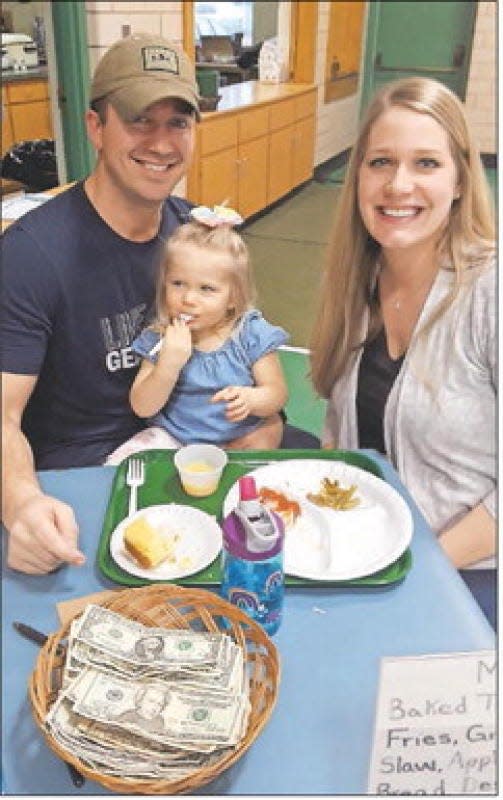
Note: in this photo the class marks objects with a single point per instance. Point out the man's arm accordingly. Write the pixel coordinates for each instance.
(42, 530)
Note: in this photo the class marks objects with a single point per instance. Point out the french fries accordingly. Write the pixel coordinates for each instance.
(332, 495)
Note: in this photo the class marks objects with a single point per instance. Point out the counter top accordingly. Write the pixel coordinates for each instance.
(253, 93)
(33, 73)
(6, 221)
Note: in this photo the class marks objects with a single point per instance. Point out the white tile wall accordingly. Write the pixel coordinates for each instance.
(92, 7)
(104, 29)
(172, 27)
(337, 126)
(481, 97)
(131, 7)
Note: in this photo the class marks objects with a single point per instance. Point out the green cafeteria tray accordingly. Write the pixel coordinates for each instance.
(162, 485)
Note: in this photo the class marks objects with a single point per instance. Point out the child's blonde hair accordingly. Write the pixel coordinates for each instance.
(221, 239)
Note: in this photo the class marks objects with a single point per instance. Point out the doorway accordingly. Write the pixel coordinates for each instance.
(48, 101)
(27, 153)
(418, 38)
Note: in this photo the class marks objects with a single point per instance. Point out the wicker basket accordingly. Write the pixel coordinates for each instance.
(170, 606)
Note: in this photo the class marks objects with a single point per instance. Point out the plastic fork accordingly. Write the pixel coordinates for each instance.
(135, 477)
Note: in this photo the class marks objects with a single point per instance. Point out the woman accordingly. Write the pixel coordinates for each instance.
(404, 344)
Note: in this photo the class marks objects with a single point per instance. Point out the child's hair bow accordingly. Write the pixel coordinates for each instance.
(218, 215)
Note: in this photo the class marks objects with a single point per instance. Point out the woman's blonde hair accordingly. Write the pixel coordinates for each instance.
(348, 283)
(224, 240)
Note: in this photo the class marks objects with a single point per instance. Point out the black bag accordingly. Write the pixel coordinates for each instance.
(249, 56)
(32, 163)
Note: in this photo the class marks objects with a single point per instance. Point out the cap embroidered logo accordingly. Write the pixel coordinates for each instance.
(160, 58)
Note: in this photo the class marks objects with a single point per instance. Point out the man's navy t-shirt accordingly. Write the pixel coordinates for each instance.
(75, 295)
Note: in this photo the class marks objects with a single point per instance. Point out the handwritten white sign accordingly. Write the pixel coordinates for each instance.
(435, 730)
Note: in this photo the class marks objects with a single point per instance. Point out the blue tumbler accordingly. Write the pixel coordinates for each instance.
(252, 558)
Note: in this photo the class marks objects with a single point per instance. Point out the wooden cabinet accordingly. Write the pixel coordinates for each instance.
(218, 179)
(232, 153)
(304, 138)
(253, 155)
(303, 149)
(291, 157)
(217, 162)
(218, 134)
(280, 164)
(7, 135)
(252, 176)
(26, 112)
(252, 161)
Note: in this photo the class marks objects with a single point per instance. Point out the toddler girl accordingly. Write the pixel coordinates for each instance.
(210, 371)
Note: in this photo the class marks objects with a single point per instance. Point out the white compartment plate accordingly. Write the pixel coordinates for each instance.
(324, 544)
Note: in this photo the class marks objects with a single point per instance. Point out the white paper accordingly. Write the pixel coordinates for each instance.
(15, 207)
(435, 730)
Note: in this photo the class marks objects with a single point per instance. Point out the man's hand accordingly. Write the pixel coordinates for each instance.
(42, 535)
(238, 400)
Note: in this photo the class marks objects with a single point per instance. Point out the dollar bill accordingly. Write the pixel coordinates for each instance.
(132, 641)
(162, 713)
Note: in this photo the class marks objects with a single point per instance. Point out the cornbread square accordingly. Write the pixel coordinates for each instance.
(147, 546)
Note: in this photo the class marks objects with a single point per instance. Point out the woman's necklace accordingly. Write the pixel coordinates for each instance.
(409, 298)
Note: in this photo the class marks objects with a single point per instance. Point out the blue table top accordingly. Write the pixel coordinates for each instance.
(319, 738)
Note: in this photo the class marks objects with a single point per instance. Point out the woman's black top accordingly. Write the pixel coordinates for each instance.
(376, 376)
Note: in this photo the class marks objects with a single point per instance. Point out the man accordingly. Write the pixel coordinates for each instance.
(79, 277)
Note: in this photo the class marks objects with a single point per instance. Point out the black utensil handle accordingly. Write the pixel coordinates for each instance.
(30, 633)
(78, 779)
(35, 636)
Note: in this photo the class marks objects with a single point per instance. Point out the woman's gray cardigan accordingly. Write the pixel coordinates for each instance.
(440, 416)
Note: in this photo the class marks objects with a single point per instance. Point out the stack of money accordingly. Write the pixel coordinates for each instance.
(145, 702)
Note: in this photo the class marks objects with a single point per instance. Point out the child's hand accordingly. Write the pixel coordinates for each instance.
(238, 399)
(176, 345)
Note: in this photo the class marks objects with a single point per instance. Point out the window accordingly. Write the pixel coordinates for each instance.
(224, 19)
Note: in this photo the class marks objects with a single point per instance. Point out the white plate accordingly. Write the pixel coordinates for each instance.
(198, 544)
(325, 544)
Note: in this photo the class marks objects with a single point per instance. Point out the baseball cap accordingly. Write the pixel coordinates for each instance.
(143, 69)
